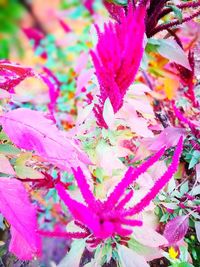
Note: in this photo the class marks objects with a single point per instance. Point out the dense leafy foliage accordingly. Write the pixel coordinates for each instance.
(100, 137)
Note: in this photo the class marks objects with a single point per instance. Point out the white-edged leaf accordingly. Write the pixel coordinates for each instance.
(72, 259)
(5, 166)
(129, 258)
(197, 229)
(151, 238)
(108, 114)
(172, 51)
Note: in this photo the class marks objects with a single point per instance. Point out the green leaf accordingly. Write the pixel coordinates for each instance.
(171, 50)
(3, 136)
(185, 264)
(141, 249)
(9, 149)
(4, 48)
(164, 218)
(177, 12)
(23, 171)
(195, 158)
(183, 254)
(107, 252)
(184, 188)
(196, 190)
(120, 2)
(74, 255)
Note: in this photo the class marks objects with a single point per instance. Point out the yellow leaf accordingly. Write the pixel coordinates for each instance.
(171, 85)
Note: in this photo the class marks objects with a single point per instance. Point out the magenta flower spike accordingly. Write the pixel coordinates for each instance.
(101, 220)
(117, 58)
(160, 183)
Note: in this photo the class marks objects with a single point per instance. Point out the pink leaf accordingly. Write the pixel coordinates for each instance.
(31, 130)
(81, 62)
(176, 229)
(168, 137)
(5, 166)
(151, 238)
(83, 78)
(17, 209)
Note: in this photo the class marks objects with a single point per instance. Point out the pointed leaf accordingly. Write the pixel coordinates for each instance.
(197, 228)
(130, 258)
(172, 51)
(20, 213)
(31, 130)
(176, 229)
(74, 255)
(151, 238)
(5, 166)
(108, 114)
(23, 171)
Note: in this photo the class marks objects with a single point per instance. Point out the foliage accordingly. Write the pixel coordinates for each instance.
(105, 152)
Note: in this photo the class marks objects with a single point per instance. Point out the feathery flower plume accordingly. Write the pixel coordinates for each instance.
(117, 58)
(101, 220)
(160, 183)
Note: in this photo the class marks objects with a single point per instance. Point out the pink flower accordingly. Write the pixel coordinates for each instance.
(101, 220)
(117, 57)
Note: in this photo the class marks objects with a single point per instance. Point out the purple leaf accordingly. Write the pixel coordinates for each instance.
(176, 229)
(31, 130)
(18, 211)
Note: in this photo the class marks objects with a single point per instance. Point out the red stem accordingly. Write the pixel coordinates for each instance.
(166, 26)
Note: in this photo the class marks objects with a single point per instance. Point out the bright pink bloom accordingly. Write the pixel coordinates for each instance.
(117, 57)
(101, 220)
